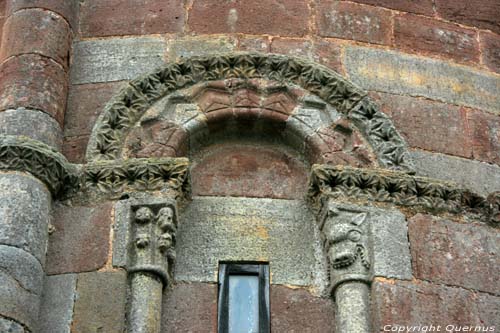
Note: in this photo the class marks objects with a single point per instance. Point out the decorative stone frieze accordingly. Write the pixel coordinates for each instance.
(112, 178)
(21, 153)
(125, 110)
(396, 188)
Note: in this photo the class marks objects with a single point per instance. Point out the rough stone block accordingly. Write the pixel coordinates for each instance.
(190, 307)
(455, 254)
(352, 21)
(56, 310)
(118, 17)
(281, 232)
(24, 213)
(398, 304)
(490, 47)
(445, 126)
(250, 17)
(100, 302)
(299, 47)
(253, 43)
(480, 177)
(329, 53)
(10, 326)
(67, 9)
(296, 310)
(198, 46)
(75, 147)
(485, 135)
(33, 124)
(115, 59)
(80, 240)
(22, 267)
(482, 14)
(424, 7)
(37, 31)
(44, 88)
(417, 33)
(393, 72)
(251, 171)
(85, 103)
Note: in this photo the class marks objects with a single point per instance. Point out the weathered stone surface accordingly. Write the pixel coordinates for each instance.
(455, 254)
(418, 7)
(423, 303)
(118, 17)
(248, 170)
(115, 59)
(56, 309)
(85, 103)
(24, 211)
(296, 310)
(352, 21)
(282, 232)
(197, 46)
(190, 307)
(300, 47)
(251, 43)
(391, 250)
(74, 148)
(33, 82)
(417, 33)
(479, 177)
(100, 302)
(254, 17)
(67, 9)
(490, 46)
(445, 126)
(37, 31)
(329, 53)
(33, 124)
(80, 239)
(10, 326)
(397, 73)
(485, 135)
(481, 14)
(22, 267)
(352, 307)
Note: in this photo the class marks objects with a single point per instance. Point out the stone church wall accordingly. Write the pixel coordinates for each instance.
(433, 67)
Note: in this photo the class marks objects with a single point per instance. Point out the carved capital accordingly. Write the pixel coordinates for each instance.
(152, 240)
(42, 161)
(346, 242)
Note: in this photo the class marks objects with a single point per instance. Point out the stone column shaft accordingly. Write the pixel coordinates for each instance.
(145, 303)
(352, 307)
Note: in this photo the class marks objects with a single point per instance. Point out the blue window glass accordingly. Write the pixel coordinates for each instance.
(243, 304)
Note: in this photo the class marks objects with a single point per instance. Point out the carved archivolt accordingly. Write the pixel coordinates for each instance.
(128, 107)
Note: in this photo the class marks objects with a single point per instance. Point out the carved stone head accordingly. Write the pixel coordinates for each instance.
(166, 219)
(143, 215)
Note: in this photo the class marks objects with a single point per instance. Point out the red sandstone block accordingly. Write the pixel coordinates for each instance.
(130, 17)
(33, 82)
(444, 125)
(155, 139)
(353, 21)
(455, 253)
(483, 14)
(485, 133)
(74, 148)
(329, 53)
(299, 47)
(37, 31)
(423, 7)
(253, 43)
(66, 8)
(2, 20)
(80, 240)
(490, 47)
(273, 17)
(296, 310)
(422, 303)
(85, 103)
(430, 36)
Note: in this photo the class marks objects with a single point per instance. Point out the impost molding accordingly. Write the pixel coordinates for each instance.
(400, 189)
(123, 112)
(20, 153)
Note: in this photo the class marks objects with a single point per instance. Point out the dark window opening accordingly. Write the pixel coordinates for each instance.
(243, 298)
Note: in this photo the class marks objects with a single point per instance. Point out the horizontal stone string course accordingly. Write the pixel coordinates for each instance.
(19, 153)
(400, 189)
(125, 110)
